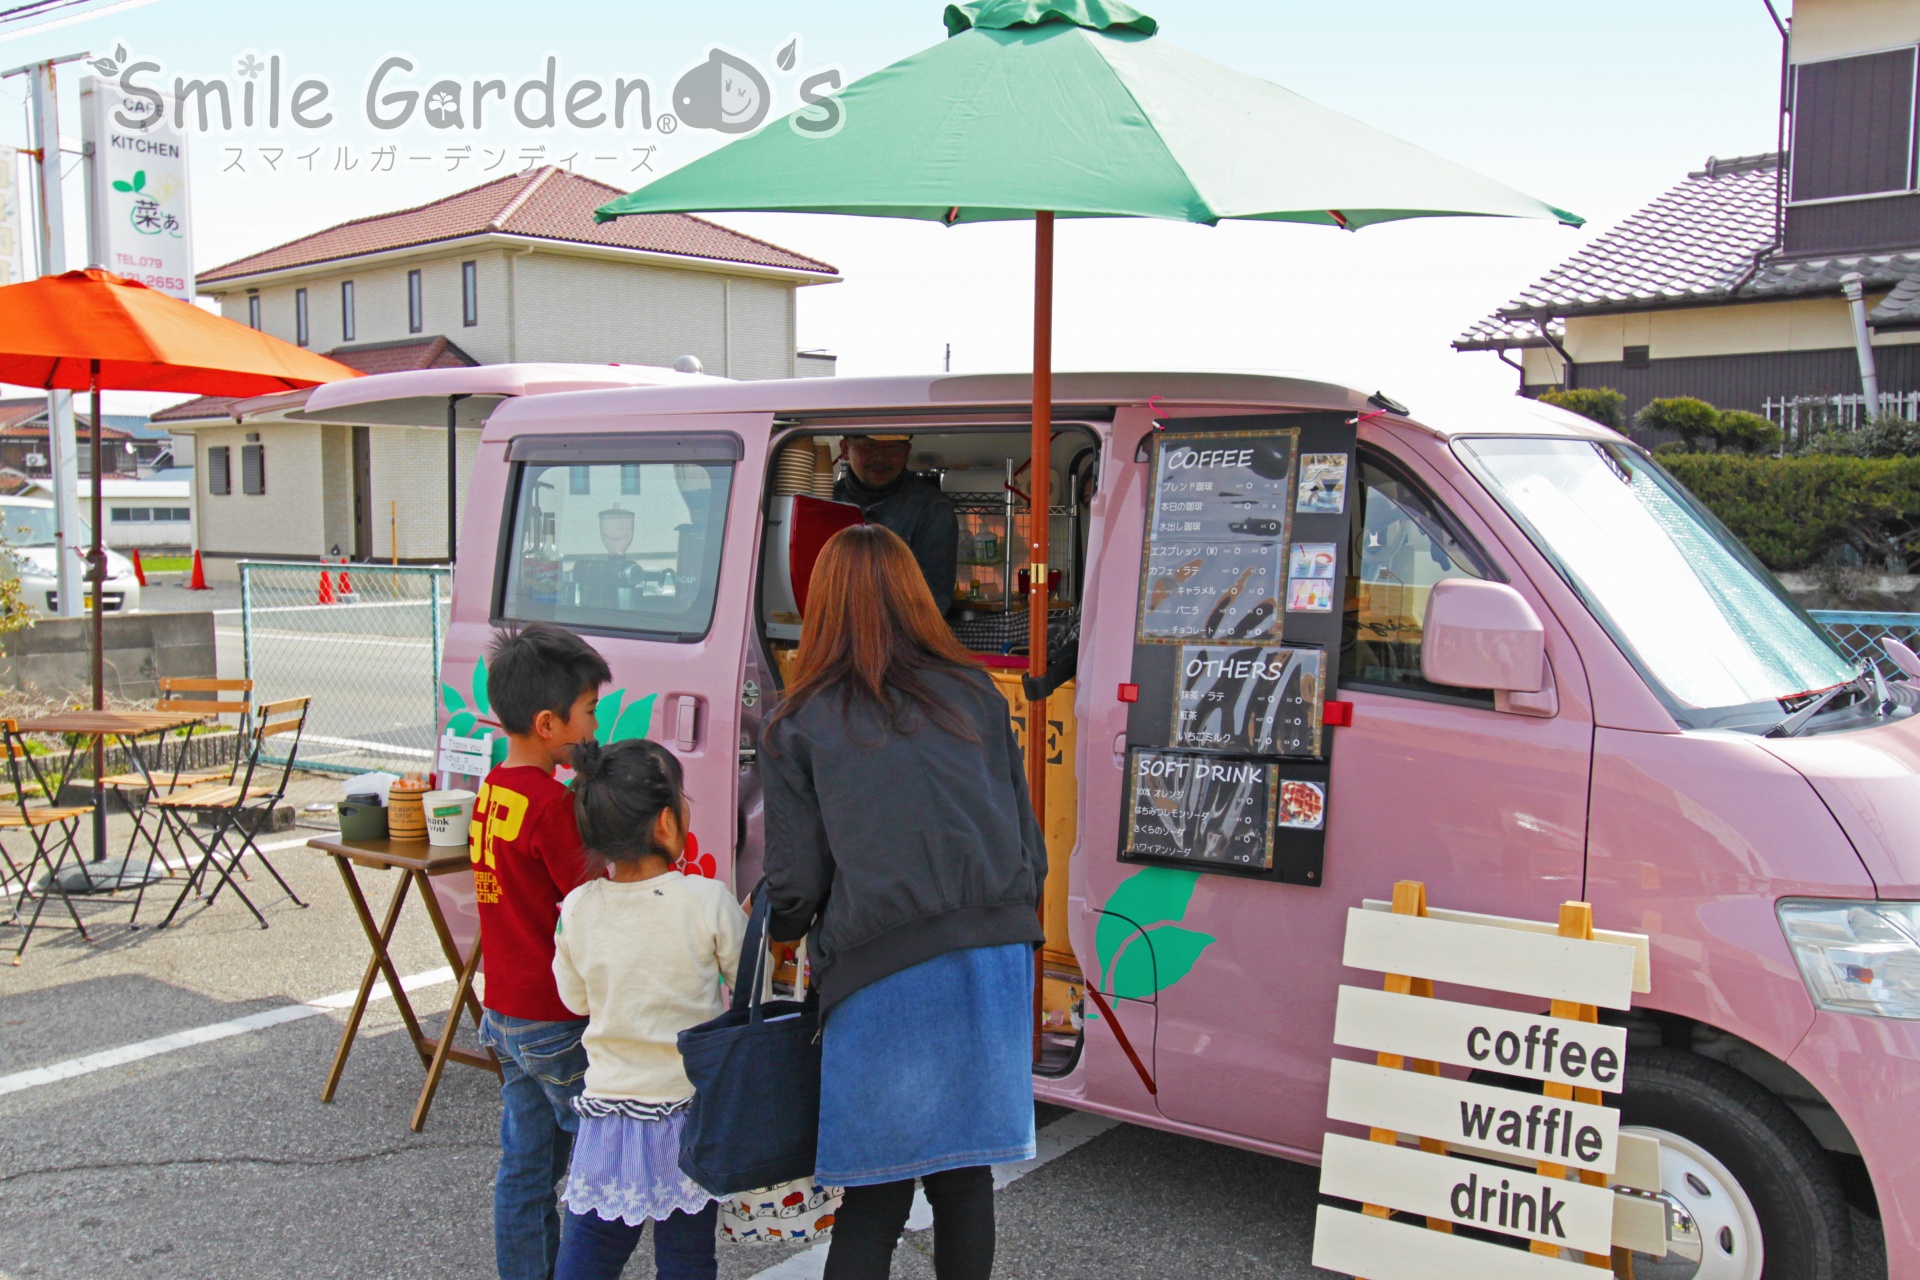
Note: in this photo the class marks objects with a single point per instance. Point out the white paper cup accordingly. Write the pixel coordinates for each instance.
(448, 813)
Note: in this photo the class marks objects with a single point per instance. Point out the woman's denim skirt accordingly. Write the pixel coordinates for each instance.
(929, 1069)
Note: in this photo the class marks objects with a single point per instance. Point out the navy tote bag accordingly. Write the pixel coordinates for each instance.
(755, 1069)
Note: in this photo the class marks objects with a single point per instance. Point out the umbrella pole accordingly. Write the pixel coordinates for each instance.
(1039, 512)
(96, 579)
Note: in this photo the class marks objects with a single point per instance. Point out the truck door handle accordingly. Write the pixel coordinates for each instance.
(687, 722)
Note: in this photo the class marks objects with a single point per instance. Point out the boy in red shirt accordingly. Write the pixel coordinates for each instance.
(543, 683)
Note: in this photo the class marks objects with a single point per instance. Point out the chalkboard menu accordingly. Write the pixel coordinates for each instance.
(1216, 561)
(1196, 808)
(1237, 641)
(1261, 700)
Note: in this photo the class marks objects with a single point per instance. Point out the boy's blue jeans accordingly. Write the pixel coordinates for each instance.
(683, 1246)
(542, 1069)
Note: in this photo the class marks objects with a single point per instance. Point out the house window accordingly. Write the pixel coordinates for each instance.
(122, 514)
(300, 330)
(579, 480)
(177, 515)
(346, 311)
(1853, 124)
(629, 477)
(416, 319)
(470, 293)
(253, 468)
(253, 311)
(219, 470)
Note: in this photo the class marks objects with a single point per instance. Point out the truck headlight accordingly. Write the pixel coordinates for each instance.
(1857, 956)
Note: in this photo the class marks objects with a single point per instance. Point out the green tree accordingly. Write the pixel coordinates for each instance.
(1694, 421)
(16, 614)
(1602, 404)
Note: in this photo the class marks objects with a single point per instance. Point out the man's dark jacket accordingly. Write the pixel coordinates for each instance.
(915, 509)
(892, 848)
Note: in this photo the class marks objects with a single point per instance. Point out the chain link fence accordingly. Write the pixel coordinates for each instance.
(364, 642)
(1859, 633)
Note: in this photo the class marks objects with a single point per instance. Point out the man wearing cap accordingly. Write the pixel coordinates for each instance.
(877, 482)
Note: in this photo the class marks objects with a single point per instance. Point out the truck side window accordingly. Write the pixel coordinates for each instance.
(1402, 545)
(631, 547)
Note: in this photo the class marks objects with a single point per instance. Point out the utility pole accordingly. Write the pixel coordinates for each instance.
(61, 445)
(949, 365)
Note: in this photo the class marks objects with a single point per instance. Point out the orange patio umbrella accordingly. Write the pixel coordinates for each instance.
(94, 331)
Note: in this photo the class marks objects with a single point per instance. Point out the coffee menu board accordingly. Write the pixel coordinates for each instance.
(1236, 644)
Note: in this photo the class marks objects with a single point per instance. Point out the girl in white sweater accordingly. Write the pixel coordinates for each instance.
(642, 954)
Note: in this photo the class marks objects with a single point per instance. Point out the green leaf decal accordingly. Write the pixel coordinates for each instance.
(461, 724)
(1133, 972)
(481, 702)
(139, 179)
(1175, 950)
(1152, 896)
(635, 721)
(122, 186)
(451, 699)
(606, 711)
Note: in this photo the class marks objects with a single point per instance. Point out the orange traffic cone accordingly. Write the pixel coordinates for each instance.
(139, 570)
(326, 587)
(198, 582)
(346, 583)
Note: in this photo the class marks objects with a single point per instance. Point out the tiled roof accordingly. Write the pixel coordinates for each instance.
(1698, 242)
(405, 356)
(1497, 333)
(547, 204)
(38, 430)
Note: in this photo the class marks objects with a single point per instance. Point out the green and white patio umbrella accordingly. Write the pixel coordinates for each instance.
(1075, 109)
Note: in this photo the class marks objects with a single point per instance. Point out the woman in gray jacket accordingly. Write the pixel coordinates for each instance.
(901, 842)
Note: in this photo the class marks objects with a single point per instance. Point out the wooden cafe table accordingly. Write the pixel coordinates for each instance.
(417, 861)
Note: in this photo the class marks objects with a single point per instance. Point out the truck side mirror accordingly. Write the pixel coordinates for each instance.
(1483, 635)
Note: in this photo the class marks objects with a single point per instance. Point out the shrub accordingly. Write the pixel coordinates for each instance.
(1602, 404)
(1794, 512)
(1882, 437)
(1694, 421)
(1748, 432)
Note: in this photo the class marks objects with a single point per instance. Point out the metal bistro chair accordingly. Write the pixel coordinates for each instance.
(242, 805)
(55, 832)
(142, 787)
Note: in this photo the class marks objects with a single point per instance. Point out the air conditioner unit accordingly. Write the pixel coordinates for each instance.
(36, 459)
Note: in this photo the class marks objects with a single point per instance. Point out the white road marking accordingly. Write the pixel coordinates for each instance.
(420, 752)
(180, 868)
(93, 1062)
(329, 637)
(1071, 1130)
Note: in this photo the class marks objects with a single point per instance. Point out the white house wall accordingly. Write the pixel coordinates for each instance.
(1836, 28)
(380, 305)
(410, 489)
(287, 520)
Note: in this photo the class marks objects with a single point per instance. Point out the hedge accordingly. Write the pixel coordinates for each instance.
(1795, 511)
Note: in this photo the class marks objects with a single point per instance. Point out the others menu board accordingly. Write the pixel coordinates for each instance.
(1259, 700)
(1202, 809)
(1216, 562)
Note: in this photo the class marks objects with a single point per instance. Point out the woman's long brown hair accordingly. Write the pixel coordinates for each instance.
(871, 632)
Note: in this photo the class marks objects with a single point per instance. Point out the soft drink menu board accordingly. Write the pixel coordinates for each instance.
(1263, 700)
(1237, 642)
(1216, 564)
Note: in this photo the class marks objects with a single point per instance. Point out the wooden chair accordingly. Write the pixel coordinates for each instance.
(253, 792)
(54, 830)
(141, 788)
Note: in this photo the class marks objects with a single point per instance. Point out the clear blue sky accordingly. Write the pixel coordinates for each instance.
(1594, 107)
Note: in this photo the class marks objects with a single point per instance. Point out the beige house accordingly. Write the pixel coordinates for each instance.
(515, 271)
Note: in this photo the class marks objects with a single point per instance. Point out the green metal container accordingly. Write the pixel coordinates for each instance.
(359, 821)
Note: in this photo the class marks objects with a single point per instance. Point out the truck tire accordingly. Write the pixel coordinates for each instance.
(1763, 1201)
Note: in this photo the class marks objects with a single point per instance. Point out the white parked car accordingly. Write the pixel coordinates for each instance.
(28, 526)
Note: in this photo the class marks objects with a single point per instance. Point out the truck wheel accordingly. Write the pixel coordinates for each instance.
(1749, 1193)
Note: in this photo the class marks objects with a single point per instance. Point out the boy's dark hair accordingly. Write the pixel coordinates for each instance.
(539, 667)
(619, 793)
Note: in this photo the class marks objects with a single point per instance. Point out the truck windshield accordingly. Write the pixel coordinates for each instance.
(1702, 618)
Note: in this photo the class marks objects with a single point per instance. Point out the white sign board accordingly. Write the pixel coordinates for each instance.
(1532, 1138)
(137, 191)
(466, 757)
(13, 219)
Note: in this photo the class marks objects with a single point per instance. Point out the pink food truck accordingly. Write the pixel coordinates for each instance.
(1318, 643)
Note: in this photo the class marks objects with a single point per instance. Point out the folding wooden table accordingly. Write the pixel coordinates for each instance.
(417, 861)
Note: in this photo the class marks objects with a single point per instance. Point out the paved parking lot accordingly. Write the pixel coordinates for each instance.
(217, 1159)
